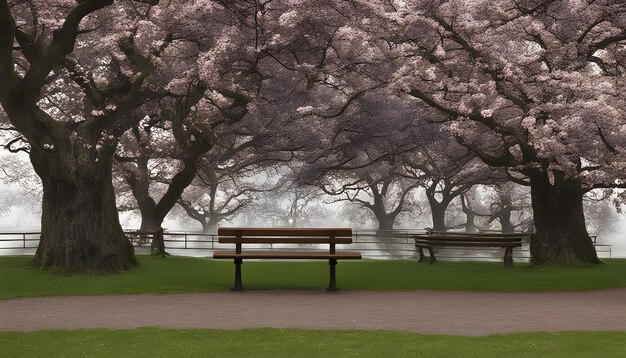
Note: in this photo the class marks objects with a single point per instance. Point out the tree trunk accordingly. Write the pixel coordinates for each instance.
(385, 223)
(439, 217)
(150, 222)
(149, 225)
(385, 220)
(206, 227)
(80, 230)
(561, 237)
(437, 208)
(470, 223)
(213, 222)
(506, 224)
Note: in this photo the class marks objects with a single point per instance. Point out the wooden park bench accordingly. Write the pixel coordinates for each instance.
(456, 239)
(140, 238)
(241, 236)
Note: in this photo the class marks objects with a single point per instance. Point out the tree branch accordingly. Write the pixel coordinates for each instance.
(63, 41)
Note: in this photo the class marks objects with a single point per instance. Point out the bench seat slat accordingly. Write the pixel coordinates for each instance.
(285, 255)
(468, 239)
(234, 231)
(483, 234)
(283, 240)
(467, 244)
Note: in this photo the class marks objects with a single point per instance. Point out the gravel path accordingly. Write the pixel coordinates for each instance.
(455, 313)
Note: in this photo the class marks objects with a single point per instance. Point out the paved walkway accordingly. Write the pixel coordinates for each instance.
(456, 313)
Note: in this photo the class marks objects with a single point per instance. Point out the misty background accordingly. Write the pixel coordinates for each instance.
(20, 210)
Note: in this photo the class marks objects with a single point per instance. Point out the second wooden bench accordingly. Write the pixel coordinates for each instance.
(448, 239)
(241, 236)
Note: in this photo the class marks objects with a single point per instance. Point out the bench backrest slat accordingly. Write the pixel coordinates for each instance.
(269, 232)
(283, 240)
(470, 238)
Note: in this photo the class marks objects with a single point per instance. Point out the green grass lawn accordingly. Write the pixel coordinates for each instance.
(265, 342)
(184, 274)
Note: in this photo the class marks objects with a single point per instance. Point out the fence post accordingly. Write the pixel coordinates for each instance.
(185, 239)
(24, 239)
(388, 250)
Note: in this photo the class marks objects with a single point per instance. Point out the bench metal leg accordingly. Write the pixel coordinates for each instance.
(508, 257)
(332, 285)
(421, 252)
(238, 285)
(433, 259)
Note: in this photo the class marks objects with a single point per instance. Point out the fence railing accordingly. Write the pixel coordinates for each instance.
(21, 240)
(375, 244)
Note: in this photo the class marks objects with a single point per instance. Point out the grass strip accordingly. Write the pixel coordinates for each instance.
(266, 342)
(185, 274)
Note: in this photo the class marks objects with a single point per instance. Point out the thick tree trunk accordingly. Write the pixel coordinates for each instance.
(385, 223)
(151, 223)
(439, 217)
(561, 237)
(385, 220)
(80, 230)
(149, 219)
(437, 208)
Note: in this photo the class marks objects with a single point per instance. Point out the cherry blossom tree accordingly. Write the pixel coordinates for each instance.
(71, 110)
(352, 89)
(535, 87)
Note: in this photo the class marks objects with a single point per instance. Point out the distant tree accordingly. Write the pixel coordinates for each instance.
(15, 170)
(511, 199)
(466, 207)
(290, 206)
(220, 194)
(185, 136)
(386, 196)
(358, 160)
(603, 217)
(505, 204)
